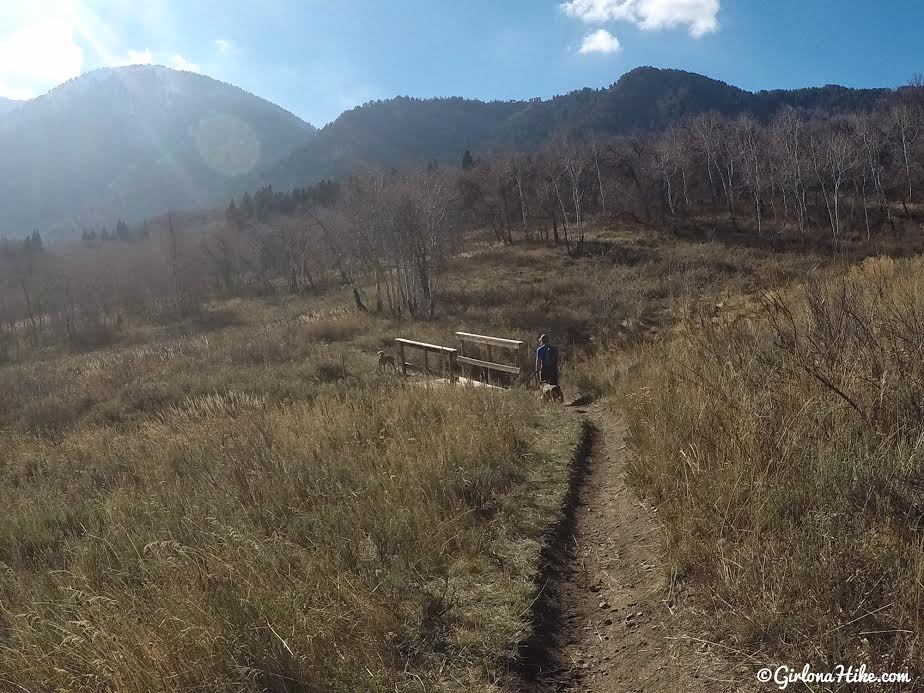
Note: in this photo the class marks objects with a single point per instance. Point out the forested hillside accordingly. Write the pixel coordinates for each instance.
(403, 130)
(132, 142)
(7, 105)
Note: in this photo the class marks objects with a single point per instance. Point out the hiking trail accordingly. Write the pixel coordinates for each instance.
(604, 620)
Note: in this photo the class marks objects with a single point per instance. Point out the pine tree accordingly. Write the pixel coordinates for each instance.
(34, 243)
(246, 207)
(467, 161)
(121, 231)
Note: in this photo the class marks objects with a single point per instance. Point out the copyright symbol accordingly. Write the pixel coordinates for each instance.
(764, 675)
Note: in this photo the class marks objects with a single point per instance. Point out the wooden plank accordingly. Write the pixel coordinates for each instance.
(425, 346)
(493, 341)
(487, 364)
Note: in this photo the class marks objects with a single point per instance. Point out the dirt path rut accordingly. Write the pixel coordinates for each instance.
(605, 624)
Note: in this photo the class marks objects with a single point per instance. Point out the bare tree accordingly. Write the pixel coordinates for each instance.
(749, 139)
(834, 157)
(871, 138)
(598, 151)
(519, 167)
(787, 133)
(904, 116)
(424, 235)
(551, 174)
(575, 163)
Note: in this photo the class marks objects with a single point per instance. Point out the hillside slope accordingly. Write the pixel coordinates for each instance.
(131, 142)
(134, 142)
(7, 105)
(403, 130)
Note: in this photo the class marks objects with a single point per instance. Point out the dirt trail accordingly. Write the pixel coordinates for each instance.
(605, 624)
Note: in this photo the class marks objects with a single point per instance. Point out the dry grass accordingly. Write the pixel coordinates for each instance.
(375, 538)
(244, 504)
(236, 501)
(783, 448)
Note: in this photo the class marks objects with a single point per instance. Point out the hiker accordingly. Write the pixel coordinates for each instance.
(547, 362)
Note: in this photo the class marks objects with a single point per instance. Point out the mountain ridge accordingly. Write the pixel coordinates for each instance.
(130, 143)
(643, 99)
(7, 105)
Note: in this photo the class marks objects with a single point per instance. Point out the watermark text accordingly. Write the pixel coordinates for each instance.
(783, 676)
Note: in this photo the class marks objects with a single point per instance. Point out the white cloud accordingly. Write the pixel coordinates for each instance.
(599, 11)
(144, 57)
(181, 63)
(699, 16)
(16, 93)
(223, 45)
(38, 47)
(599, 41)
(132, 57)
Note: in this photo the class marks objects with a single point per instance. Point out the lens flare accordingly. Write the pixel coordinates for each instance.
(227, 144)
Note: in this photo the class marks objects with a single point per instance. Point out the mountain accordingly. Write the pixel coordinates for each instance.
(132, 142)
(392, 133)
(7, 105)
(403, 130)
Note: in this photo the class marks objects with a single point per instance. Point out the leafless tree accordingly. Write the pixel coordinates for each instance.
(749, 138)
(575, 163)
(834, 157)
(904, 116)
(520, 169)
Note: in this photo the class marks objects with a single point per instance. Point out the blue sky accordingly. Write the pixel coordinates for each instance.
(320, 57)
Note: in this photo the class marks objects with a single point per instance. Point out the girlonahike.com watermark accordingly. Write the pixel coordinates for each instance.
(783, 676)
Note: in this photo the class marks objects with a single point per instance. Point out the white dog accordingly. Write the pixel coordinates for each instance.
(551, 393)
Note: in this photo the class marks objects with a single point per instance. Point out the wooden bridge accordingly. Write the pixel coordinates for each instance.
(456, 363)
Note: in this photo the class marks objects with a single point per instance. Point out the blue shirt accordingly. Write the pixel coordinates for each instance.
(547, 357)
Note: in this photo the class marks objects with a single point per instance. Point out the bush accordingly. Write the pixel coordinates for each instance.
(335, 329)
(785, 453)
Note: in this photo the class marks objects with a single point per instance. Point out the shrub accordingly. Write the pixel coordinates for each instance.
(331, 329)
(785, 453)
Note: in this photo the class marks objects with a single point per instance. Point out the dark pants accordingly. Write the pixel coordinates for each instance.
(548, 375)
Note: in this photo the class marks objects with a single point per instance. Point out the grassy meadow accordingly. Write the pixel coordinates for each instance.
(237, 500)
(782, 445)
(264, 513)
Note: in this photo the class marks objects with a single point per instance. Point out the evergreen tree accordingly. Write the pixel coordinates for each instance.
(121, 231)
(33, 244)
(246, 207)
(467, 161)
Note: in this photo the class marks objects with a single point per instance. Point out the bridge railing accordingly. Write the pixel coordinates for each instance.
(493, 345)
(444, 356)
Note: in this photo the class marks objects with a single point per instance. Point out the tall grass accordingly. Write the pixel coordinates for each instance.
(285, 360)
(785, 452)
(375, 539)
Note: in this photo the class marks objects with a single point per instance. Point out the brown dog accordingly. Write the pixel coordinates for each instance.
(551, 393)
(385, 361)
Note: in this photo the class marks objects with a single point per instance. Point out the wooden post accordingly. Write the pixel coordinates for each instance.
(452, 367)
(426, 363)
(490, 358)
(403, 361)
(465, 373)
